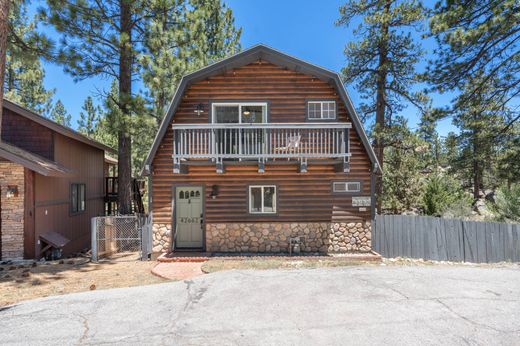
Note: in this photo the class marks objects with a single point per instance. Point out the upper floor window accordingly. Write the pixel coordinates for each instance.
(78, 201)
(239, 113)
(321, 110)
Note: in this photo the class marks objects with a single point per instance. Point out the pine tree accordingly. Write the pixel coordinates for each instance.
(89, 118)
(479, 121)
(111, 39)
(183, 36)
(509, 157)
(24, 73)
(477, 37)
(382, 63)
(102, 38)
(4, 31)
(60, 115)
(402, 183)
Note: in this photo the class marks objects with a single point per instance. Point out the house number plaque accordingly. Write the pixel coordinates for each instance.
(189, 219)
(361, 201)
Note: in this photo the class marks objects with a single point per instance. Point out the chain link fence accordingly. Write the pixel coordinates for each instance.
(122, 235)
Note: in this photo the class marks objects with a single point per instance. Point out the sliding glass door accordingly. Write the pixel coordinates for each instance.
(240, 141)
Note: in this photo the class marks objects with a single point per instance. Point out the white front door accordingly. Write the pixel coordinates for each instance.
(188, 215)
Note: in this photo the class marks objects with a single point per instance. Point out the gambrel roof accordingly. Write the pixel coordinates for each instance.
(248, 56)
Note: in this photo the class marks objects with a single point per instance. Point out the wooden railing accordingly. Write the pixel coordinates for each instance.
(262, 142)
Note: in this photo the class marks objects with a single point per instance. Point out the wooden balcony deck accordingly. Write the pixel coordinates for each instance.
(262, 143)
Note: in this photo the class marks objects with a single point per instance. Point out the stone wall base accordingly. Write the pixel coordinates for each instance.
(274, 237)
(162, 237)
(12, 212)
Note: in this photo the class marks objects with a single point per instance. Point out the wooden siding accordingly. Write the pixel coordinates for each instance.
(52, 195)
(301, 196)
(26, 134)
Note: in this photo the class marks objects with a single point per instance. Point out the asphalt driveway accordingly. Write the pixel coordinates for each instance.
(403, 305)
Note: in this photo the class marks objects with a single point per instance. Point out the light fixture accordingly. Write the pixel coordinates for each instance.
(12, 191)
(246, 112)
(214, 192)
(199, 109)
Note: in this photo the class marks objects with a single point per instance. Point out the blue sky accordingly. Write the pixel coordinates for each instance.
(303, 28)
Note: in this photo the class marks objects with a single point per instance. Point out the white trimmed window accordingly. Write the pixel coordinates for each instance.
(262, 199)
(346, 186)
(321, 109)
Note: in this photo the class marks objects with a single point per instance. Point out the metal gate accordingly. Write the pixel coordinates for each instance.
(113, 235)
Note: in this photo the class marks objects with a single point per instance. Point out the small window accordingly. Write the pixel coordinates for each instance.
(321, 110)
(262, 199)
(78, 202)
(346, 186)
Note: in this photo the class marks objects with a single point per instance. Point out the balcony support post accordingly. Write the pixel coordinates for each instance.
(176, 166)
(303, 166)
(261, 166)
(220, 166)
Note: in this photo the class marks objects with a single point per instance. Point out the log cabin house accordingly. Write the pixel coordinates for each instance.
(261, 152)
(52, 182)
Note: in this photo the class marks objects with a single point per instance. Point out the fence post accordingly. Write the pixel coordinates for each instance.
(93, 234)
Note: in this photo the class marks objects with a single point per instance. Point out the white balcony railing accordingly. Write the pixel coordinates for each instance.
(262, 142)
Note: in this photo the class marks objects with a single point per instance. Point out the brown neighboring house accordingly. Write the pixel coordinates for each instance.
(52, 184)
(258, 150)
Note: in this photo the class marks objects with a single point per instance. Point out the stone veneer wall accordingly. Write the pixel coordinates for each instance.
(12, 212)
(161, 235)
(274, 237)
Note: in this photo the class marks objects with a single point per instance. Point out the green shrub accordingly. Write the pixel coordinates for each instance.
(507, 203)
(443, 195)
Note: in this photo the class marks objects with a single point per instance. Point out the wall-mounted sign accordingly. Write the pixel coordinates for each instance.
(361, 201)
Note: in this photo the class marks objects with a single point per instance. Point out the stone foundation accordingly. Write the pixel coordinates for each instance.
(12, 216)
(162, 236)
(274, 237)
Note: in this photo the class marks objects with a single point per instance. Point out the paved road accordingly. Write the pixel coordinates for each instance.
(403, 305)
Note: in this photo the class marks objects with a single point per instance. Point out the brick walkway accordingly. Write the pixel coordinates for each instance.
(178, 270)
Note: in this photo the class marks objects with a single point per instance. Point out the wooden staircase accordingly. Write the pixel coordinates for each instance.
(112, 195)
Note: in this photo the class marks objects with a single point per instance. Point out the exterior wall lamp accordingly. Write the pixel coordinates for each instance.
(199, 109)
(214, 192)
(12, 191)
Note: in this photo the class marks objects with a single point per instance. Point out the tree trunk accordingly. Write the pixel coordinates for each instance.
(381, 106)
(4, 30)
(476, 166)
(124, 164)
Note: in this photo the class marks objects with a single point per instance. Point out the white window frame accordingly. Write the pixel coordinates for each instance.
(321, 103)
(239, 105)
(262, 187)
(346, 184)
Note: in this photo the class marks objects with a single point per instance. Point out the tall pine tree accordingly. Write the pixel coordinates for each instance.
(382, 63)
(184, 36)
(104, 38)
(109, 38)
(479, 119)
(24, 73)
(89, 118)
(477, 37)
(60, 115)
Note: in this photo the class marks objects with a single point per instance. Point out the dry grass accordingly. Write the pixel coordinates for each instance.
(25, 282)
(215, 265)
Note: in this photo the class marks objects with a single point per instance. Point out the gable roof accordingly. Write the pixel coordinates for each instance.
(249, 56)
(33, 162)
(54, 126)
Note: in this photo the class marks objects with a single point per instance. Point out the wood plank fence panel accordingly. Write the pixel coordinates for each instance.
(446, 239)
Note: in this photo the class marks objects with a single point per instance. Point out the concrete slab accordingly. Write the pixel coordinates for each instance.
(363, 305)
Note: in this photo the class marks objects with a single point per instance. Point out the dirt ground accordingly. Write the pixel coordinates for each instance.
(215, 265)
(28, 281)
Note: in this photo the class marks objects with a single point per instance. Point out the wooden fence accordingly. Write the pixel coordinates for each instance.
(446, 239)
